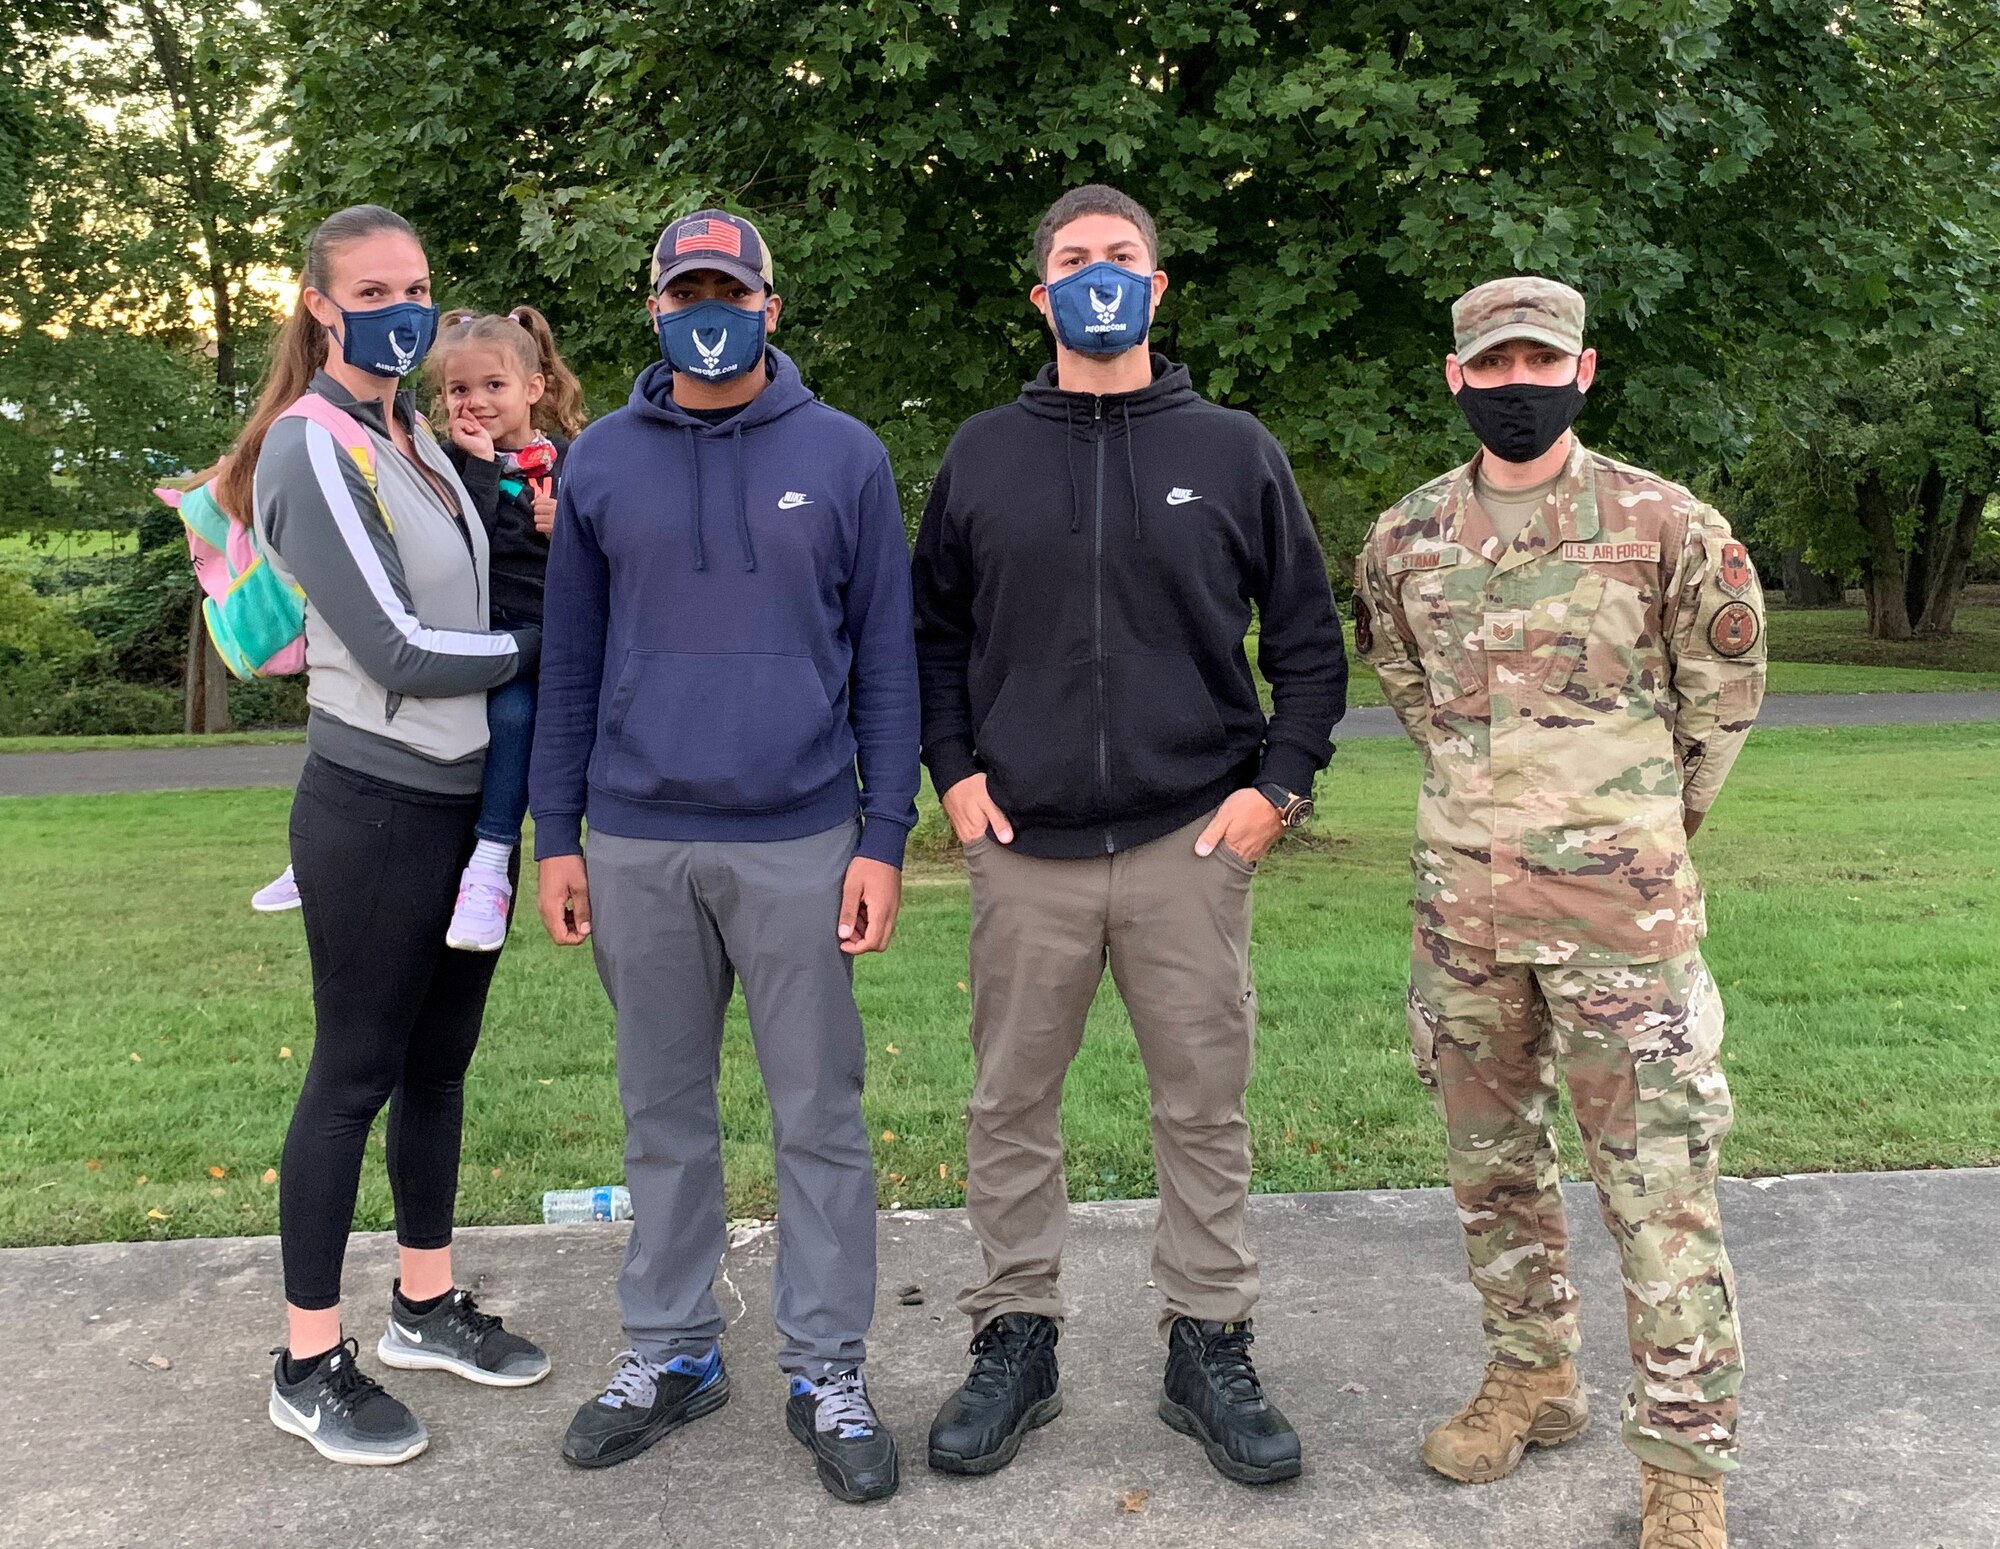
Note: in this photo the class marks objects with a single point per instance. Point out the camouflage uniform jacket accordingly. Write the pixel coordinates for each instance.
(1570, 694)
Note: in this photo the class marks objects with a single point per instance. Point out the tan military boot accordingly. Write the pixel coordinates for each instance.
(1679, 1511)
(1513, 1408)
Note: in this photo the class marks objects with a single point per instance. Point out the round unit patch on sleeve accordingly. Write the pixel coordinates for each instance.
(1733, 630)
(1364, 627)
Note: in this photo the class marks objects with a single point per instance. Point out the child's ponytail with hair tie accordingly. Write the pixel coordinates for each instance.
(561, 406)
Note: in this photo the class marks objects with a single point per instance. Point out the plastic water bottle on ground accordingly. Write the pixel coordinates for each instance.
(573, 1207)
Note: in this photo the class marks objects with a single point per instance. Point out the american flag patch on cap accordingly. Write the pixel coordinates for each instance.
(708, 237)
(712, 239)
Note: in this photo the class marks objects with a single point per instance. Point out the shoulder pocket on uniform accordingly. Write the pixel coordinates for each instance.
(1450, 671)
(1577, 619)
(1607, 633)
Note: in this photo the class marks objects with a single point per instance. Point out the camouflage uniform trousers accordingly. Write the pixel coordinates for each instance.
(1640, 1047)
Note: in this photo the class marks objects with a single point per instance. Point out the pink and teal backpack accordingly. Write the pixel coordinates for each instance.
(256, 618)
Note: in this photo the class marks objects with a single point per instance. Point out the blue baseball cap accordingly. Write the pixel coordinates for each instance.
(712, 239)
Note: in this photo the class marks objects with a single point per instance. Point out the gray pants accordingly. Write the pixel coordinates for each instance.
(673, 925)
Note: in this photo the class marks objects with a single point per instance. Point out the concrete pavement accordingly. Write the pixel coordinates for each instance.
(1870, 1413)
(232, 767)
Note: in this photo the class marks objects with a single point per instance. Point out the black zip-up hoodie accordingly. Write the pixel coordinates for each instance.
(506, 508)
(1084, 579)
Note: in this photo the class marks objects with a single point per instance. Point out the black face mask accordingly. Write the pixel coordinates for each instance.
(1520, 421)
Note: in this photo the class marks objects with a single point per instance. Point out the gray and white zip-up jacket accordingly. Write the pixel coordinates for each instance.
(398, 652)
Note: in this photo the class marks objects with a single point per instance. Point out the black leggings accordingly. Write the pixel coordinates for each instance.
(396, 1014)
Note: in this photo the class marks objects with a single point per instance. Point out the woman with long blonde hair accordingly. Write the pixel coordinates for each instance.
(358, 507)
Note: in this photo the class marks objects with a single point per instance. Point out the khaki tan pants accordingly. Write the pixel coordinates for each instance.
(1175, 930)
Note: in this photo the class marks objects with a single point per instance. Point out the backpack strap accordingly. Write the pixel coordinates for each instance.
(344, 428)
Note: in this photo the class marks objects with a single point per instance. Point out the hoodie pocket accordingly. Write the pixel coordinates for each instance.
(1167, 738)
(736, 731)
(1039, 743)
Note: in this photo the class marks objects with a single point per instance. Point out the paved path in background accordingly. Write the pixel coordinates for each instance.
(1874, 1384)
(150, 769)
(232, 768)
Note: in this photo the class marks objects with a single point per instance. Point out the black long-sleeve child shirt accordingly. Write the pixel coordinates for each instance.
(505, 501)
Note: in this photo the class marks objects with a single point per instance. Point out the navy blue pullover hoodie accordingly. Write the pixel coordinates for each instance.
(727, 628)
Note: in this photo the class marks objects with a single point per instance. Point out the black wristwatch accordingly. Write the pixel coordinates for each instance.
(1293, 810)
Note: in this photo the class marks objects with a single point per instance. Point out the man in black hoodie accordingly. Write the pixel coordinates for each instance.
(1084, 580)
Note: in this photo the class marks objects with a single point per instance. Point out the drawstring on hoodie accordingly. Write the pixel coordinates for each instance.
(694, 462)
(1131, 470)
(1069, 467)
(1170, 389)
(742, 502)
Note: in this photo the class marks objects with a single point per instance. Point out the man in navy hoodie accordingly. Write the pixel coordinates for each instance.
(1085, 576)
(727, 638)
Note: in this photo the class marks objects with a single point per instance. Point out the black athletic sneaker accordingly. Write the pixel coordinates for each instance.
(455, 1336)
(645, 1401)
(1012, 1388)
(1212, 1394)
(853, 1452)
(344, 1412)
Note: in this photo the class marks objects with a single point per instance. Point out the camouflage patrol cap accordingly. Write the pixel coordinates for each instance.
(1523, 306)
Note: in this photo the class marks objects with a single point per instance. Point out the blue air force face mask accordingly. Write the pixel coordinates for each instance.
(389, 341)
(1101, 309)
(712, 341)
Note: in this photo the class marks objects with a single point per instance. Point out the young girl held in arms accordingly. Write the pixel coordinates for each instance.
(511, 406)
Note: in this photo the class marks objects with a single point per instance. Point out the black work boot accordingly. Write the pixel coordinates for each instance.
(1010, 1390)
(1212, 1394)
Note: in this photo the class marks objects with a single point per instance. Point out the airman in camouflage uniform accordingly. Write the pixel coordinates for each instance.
(1579, 695)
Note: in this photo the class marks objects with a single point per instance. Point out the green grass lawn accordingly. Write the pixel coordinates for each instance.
(1847, 678)
(82, 543)
(155, 1031)
(223, 739)
(1827, 651)
(1841, 635)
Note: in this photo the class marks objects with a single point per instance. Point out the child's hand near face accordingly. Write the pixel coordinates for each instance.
(473, 438)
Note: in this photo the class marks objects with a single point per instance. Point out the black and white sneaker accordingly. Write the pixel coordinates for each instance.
(455, 1336)
(645, 1401)
(344, 1412)
(853, 1453)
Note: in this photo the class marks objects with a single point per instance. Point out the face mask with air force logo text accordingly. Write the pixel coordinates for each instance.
(1101, 309)
(389, 341)
(712, 341)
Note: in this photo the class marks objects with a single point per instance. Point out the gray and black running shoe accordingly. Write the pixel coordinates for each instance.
(645, 1401)
(853, 1452)
(344, 1412)
(455, 1336)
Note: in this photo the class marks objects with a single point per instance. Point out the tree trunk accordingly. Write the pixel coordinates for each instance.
(1806, 587)
(1930, 544)
(198, 144)
(205, 683)
(1882, 565)
(1947, 582)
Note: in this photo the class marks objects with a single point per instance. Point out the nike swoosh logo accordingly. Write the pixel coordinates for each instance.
(410, 1334)
(1181, 497)
(310, 1422)
(791, 502)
